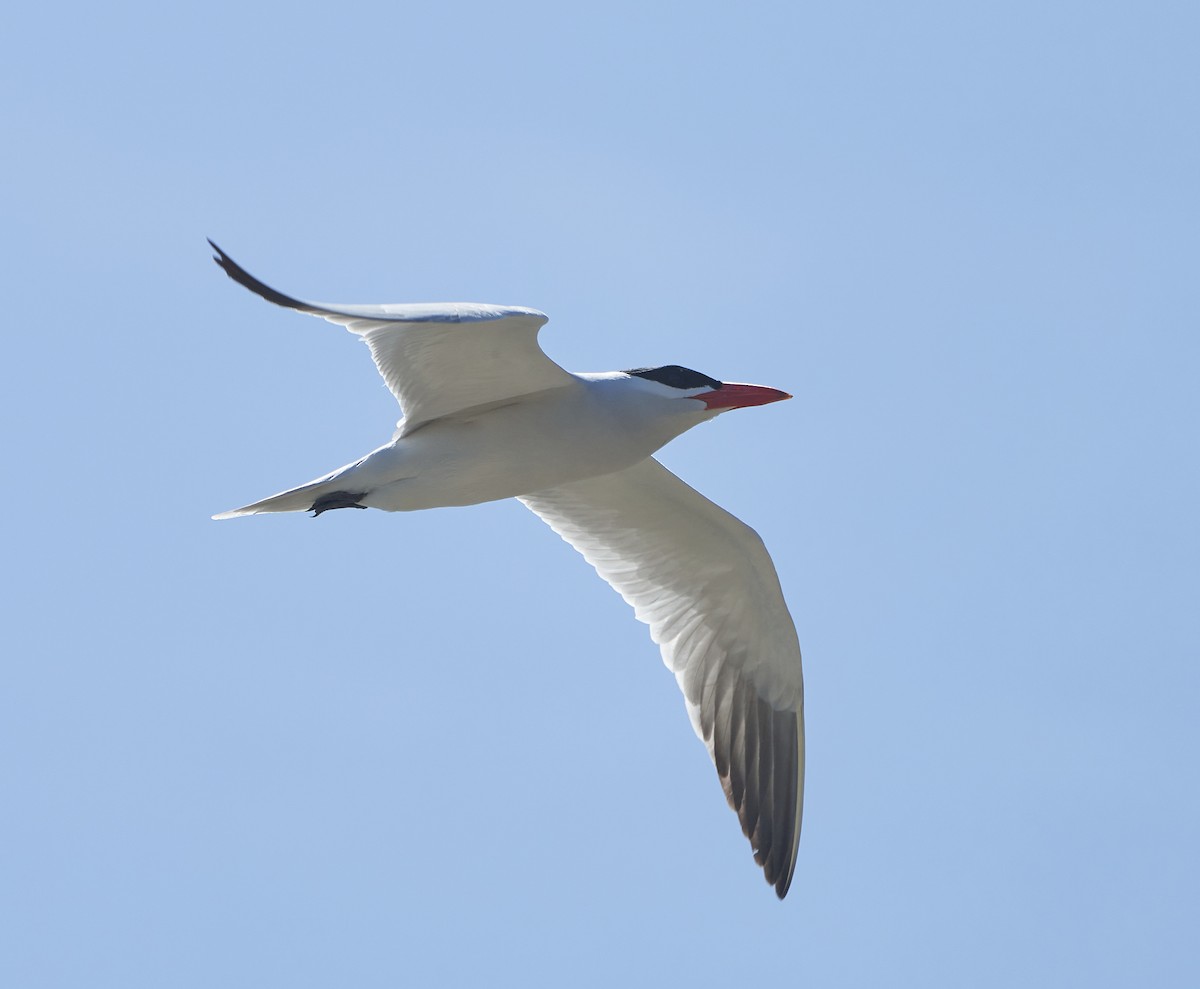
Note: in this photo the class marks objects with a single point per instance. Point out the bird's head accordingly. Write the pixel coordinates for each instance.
(677, 382)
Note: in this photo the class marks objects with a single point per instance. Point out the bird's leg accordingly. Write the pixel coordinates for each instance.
(337, 499)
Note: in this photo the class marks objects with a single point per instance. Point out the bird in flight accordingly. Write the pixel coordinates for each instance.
(487, 415)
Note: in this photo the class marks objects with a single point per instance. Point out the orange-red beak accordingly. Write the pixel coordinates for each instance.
(735, 396)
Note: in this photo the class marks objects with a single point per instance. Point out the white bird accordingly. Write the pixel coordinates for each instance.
(487, 415)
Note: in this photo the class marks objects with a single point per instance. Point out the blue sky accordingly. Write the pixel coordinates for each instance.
(376, 750)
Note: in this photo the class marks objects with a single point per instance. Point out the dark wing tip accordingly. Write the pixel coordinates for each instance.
(763, 758)
(247, 280)
(786, 792)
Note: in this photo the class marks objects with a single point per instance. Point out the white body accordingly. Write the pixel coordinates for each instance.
(489, 416)
(593, 424)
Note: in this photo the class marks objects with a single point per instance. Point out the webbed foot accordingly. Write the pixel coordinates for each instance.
(337, 499)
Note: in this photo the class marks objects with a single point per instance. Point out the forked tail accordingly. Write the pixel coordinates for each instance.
(317, 496)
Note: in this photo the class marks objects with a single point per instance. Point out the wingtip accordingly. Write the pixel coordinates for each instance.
(224, 261)
(261, 289)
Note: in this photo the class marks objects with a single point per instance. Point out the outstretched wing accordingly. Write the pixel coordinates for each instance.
(437, 358)
(704, 583)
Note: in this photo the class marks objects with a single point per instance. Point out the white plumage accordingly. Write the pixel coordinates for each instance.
(487, 415)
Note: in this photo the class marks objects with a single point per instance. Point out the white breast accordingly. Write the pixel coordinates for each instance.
(504, 449)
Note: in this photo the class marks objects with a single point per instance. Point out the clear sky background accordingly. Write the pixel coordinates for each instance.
(379, 750)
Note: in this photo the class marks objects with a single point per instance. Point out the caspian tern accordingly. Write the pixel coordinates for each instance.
(487, 415)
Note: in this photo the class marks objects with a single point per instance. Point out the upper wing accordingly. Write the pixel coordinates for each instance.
(437, 358)
(703, 582)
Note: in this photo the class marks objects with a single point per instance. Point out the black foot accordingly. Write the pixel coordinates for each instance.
(337, 499)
